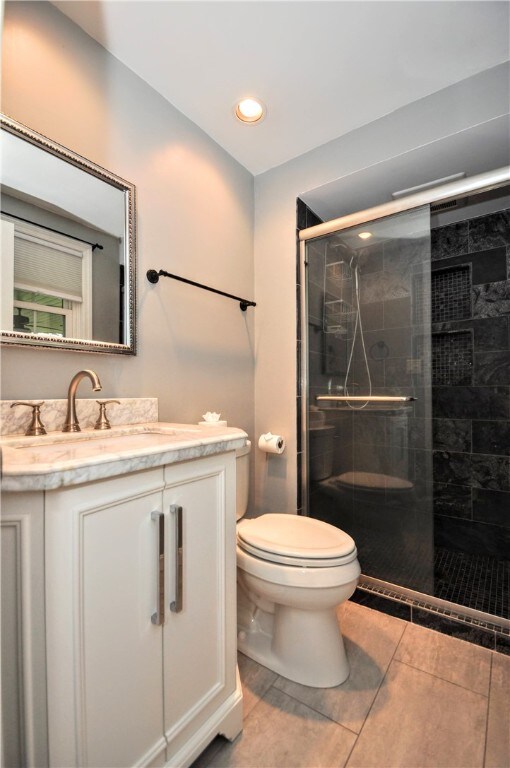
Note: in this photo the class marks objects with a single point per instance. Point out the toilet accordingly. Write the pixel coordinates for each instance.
(292, 573)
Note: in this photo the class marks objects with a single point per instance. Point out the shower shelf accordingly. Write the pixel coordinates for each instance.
(338, 315)
(338, 270)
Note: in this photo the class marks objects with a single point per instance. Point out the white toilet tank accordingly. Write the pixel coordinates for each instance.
(242, 479)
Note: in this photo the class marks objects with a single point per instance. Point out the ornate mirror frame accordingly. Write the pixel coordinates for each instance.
(129, 307)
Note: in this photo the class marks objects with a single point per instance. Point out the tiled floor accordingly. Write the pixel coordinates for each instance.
(414, 698)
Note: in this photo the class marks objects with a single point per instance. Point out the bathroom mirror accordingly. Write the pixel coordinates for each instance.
(68, 248)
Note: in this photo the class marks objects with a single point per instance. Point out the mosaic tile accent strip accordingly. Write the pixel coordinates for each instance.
(451, 294)
(452, 359)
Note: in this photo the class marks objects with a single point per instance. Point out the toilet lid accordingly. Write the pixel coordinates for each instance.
(373, 481)
(295, 540)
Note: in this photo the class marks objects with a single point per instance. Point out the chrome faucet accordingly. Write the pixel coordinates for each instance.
(71, 423)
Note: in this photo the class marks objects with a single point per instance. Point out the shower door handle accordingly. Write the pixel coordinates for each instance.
(366, 398)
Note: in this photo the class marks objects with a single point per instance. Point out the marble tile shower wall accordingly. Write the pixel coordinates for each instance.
(471, 384)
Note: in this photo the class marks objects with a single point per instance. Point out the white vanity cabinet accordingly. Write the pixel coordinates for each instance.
(125, 686)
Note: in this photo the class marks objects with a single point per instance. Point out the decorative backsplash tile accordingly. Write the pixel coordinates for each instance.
(132, 410)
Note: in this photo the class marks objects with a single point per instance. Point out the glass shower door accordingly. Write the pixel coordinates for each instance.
(368, 435)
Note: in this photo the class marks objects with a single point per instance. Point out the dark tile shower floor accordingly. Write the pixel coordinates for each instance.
(473, 581)
(476, 581)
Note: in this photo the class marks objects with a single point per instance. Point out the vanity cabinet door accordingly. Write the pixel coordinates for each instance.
(199, 635)
(105, 694)
(23, 727)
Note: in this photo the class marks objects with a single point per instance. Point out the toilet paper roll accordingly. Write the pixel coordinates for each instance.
(270, 443)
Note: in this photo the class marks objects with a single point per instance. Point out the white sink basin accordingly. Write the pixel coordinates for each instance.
(93, 445)
(99, 436)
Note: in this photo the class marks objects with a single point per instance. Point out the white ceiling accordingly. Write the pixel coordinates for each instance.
(323, 68)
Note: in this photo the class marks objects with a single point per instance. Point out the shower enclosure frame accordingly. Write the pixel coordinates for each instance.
(438, 194)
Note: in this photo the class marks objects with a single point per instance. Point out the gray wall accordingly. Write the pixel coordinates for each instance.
(195, 218)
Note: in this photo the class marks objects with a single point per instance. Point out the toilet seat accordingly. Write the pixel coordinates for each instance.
(295, 540)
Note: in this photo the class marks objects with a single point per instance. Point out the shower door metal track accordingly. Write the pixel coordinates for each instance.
(432, 604)
(461, 188)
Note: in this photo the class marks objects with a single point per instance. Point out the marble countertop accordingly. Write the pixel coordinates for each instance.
(57, 459)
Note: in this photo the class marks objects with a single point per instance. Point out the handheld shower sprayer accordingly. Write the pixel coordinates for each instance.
(358, 325)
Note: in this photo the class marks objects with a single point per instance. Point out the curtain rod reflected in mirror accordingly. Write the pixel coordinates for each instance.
(69, 249)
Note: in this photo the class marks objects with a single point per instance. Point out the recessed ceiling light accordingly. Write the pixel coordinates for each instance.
(250, 110)
(364, 235)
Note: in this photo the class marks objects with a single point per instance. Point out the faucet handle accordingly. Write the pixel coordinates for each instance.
(36, 427)
(102, 420)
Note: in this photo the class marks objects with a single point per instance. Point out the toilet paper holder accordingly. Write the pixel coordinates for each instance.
(269, 443)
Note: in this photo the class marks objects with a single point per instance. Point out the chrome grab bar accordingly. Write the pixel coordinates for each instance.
(176, 605)
(159, 617)
(366, 399)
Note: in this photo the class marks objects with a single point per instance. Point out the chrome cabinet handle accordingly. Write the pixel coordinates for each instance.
(176, 604)
(159, 617)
